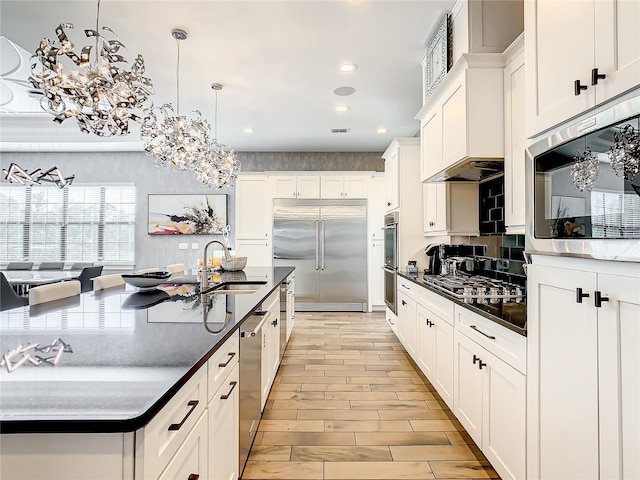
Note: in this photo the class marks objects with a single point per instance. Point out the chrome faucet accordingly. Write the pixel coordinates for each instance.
(204, 284)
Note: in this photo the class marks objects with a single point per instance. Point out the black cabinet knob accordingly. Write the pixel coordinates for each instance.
(481, 364)
(403, 302)
(388, 204)
(595, 76)
(577, 87)
(598, 298)
(475, 359)
(580, 295)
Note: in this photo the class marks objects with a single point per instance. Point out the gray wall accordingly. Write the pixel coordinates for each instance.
(138, 168)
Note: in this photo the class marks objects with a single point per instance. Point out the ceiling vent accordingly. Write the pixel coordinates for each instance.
(339, 130)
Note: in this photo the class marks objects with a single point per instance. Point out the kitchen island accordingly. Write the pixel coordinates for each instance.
(121, 358)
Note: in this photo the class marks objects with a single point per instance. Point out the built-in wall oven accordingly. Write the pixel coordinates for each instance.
(583, 187)
(390, 259)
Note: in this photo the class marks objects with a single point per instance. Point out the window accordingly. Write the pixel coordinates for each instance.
(615, 215)
(81, 223)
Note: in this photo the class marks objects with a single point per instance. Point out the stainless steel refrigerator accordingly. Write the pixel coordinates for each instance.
(326, 241)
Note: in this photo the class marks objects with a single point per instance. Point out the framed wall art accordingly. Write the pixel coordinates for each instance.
(177, 214)
(437, 62)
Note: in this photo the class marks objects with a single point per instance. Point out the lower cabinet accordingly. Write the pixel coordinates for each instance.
(224, 426)
(407, 323)
(190, 461)
(489, 401)
(270, 356)
(435, 352)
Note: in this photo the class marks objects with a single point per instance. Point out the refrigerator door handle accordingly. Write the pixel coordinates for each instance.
(317, 240)
(322, 243)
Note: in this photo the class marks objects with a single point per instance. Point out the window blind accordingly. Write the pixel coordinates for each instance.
(90, 223)
(615, 215)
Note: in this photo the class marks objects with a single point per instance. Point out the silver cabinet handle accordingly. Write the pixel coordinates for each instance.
(322, 243)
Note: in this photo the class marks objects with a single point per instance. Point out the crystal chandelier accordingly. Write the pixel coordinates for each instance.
(176, 141)
(101, 95)
(625, 153)
(585, 171)
(219, 167)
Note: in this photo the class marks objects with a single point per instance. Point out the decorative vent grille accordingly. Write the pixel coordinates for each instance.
(339, 130)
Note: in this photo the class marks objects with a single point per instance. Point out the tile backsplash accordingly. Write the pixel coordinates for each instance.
(492, 207)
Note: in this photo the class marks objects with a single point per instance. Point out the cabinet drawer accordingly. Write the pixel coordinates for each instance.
(407, 287)
(167, 431)
(221, 363)
(190, 462)
(500, 341)
(437, 304)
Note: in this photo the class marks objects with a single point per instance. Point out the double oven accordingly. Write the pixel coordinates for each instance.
(390, 259)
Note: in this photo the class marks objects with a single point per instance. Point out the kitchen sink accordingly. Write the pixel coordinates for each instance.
(238, 288)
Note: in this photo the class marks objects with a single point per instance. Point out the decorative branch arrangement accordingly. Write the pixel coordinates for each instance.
(16, 174)
(20, 355)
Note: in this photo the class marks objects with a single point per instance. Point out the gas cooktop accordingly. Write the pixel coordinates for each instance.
(476, 288)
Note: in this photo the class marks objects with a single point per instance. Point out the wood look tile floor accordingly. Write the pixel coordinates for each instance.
(347, 403)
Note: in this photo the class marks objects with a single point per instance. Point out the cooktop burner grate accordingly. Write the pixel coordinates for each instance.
(472, 288)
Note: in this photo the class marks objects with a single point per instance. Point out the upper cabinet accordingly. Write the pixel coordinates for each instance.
(578, 56)
(253, 207)
(348, 186)
(464, 119)
(391, 187)
(295, 186)
(401, 157)
(514, 139)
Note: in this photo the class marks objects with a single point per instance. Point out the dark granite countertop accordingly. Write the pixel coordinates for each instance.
(131, 352)
(511, 315)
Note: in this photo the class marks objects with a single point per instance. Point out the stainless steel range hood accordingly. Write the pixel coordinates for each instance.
(470, 170)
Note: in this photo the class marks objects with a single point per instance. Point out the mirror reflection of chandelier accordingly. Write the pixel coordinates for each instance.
(175, 141)
(219, 167)
(97, 91)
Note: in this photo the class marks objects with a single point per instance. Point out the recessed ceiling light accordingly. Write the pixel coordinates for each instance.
(342, 107)
(249, 130)
(348, 67)
(381, 130)
(344, 91)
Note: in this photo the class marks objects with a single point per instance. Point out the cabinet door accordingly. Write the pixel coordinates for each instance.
(514, 149)
(426, 343)
(467, 397)
(617, 53)
(258, 252)
(444, 369)
(308, 186)
(356, 186)
(224, 421)
(619, 381)
(376, 296)
(190, 462)
(454, 124)
(431, 161)
(253, 207)
(407, 327)
(559, 50)
(434, 196)
(391, 167)
(562, 375)
(504, 422)
(331, 186)
(265, 362)
(284, 186)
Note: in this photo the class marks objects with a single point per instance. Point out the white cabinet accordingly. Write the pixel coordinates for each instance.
(514, 139)
(270, 356)
(295, 186)
(464, 118)
(224, 425)
(435, 352)
(190, 461)
(391, 165)
(583, 384)
(407, 323)
(376, 210)
(257, 251)
(489, 401)
(597, 37)
(291, 307)
(347, 186)
(450, 209)
(253, 207)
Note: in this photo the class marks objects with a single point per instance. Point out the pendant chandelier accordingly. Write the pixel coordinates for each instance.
(102, 96)
(175, 141)
(219, 167)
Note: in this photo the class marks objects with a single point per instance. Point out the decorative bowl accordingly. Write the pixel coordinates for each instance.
(234, 264)
(146, 281)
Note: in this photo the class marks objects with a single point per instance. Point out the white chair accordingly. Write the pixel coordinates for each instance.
(107, 281)
(53, 291)
(175, 269)
(148, 270)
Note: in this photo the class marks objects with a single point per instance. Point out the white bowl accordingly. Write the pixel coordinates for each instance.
(146, 281)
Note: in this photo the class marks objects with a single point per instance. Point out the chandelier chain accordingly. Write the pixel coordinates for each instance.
(178, 78)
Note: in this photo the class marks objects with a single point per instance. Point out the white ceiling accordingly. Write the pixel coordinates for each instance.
(278, 62)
